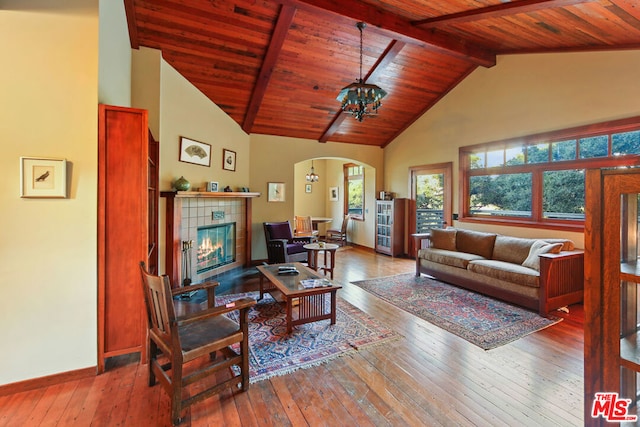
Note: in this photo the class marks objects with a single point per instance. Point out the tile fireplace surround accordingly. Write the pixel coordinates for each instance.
(186, 211)
(200, 211)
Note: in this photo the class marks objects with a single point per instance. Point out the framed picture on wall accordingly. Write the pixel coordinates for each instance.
(275, 192)
(307, 188)
(196, 152)
(228, 160)
(43, 177)
(333, 194)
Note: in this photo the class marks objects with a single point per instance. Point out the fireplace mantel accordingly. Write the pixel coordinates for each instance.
(185, 194)
(173, 220)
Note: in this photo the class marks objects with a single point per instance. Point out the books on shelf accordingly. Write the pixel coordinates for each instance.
(315, 283)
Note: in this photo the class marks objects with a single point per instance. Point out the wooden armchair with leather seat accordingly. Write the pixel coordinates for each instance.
(282, 245)
(196, 346)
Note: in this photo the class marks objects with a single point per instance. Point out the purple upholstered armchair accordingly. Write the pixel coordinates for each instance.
(282, 246)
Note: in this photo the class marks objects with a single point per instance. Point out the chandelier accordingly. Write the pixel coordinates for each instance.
(361, 99)
(311, 176)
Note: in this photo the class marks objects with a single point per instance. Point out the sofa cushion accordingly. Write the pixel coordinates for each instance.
(538, 248)
(443, 238)
(475, 242)
(512, 249)
(452, 258)
(567, 245)
(506, 271)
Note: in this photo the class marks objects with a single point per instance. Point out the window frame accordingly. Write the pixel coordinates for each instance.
(537, 169)
(347, 178)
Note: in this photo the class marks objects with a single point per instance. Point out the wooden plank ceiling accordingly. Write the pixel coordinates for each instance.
(276, 66)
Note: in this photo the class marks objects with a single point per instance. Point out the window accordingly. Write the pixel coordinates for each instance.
(539, 180)
(501, 195)
(354, 188)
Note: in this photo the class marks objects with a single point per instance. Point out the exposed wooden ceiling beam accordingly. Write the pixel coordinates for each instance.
(400, 29)
(632, 7)
(385, 59)
(496, 11)
(280, 31)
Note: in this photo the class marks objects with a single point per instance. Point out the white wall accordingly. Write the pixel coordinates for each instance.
(521, 95)
(49, 108)
(114, 68)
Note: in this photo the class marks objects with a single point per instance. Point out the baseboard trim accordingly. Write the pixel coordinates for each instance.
(49, 380)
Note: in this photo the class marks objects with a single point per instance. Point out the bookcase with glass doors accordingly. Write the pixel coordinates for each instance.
(390, 219)
(612, 282)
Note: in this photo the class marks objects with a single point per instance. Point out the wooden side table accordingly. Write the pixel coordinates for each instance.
(312, 256)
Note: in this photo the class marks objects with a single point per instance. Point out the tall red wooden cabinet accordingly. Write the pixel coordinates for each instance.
(123, 216)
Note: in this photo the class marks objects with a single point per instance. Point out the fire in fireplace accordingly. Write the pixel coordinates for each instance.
(216, 246)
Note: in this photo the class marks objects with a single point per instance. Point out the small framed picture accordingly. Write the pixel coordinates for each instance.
(43, 177)
(228, 160)
(333, 194)
(307, 188)
(195, 152)
(275, 192)
(213, 187)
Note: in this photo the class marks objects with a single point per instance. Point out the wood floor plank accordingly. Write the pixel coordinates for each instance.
(337, 395)
(429, 377)
(16, 409)
(229, 410)
(288, 402)
(266, 405)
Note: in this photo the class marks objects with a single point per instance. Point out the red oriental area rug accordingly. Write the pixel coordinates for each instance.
(481, 320)
(272, 352)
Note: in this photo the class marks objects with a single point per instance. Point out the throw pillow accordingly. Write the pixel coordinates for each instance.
(443, 238)
(537, 248)
(475, 242)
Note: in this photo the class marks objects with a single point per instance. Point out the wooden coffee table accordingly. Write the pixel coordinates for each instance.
(312, 303)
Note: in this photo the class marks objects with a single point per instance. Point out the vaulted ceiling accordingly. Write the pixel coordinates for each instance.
(276, 66)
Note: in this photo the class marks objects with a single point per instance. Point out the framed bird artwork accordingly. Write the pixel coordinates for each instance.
(43, 177)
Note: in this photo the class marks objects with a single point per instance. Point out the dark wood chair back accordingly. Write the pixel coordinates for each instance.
(175, 341)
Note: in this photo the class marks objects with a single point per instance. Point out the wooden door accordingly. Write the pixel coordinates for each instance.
(122, 230)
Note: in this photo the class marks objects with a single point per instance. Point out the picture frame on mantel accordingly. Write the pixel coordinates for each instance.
(43, 178)
(275, 192)
(195, 152)
(228, 160)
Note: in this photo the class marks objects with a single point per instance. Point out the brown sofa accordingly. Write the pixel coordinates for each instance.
(540, 274)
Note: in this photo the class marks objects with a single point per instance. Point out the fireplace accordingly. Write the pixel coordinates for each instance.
(216, 246)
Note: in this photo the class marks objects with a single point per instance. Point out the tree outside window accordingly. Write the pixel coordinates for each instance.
(354, 188)
(539, 179)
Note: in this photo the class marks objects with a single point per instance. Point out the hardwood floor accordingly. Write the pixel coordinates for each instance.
(428, 378)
